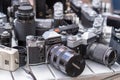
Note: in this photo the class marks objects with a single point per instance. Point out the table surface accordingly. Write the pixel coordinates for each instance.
(92, 71)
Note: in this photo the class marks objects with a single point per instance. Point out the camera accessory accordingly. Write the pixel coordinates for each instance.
(102, 54)
(9, 58)
(66, 60)
(87, 16)
(22, 55)
(6, 39)
(3, 17)
(70, 29)
(114, 21)
(76, 7)
(35, 49)
(58, 14)
(24, 24)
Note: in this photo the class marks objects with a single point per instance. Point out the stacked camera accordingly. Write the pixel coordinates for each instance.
(56, 41)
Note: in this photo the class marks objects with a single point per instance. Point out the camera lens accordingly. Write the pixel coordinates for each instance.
(6, 39)
(102, 54)
(111, 57)
(24, 24)
(66, 60)
(25, 13)
(22, 55)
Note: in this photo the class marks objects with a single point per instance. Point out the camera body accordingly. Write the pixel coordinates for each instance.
(35, 50)
(76, 6)
(87, 35)
(87, 16)
(9, 58)
(84, 39)
(89, 45)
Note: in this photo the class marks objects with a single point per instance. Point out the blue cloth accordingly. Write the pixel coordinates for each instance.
(116, 4)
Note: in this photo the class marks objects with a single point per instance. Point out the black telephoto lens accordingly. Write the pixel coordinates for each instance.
(113, 21)
(102, 54)
(24, 24)
(66, 60)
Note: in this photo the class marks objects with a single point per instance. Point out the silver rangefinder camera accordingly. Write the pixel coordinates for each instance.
(9, 58)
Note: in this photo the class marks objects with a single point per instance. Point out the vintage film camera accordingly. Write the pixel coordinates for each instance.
(9, 58)
(97, 51)
(88, 43)
(61, 57)
(35, 50)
